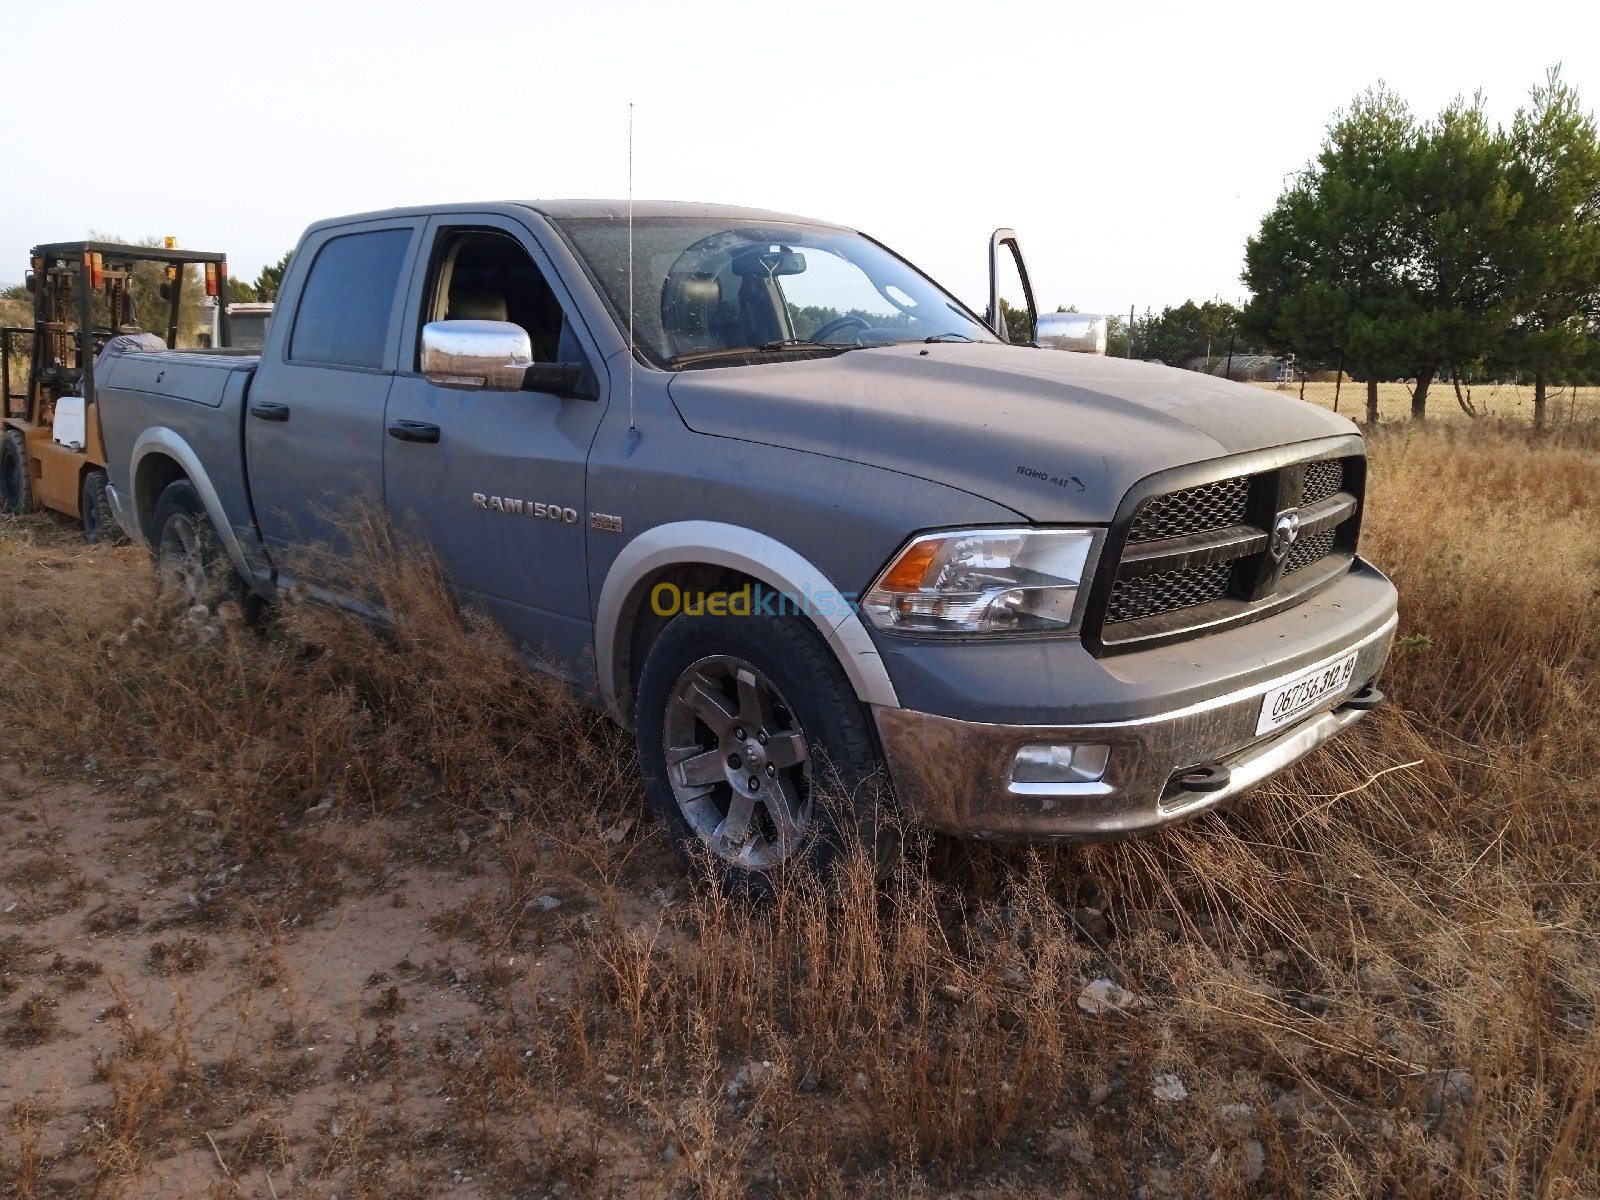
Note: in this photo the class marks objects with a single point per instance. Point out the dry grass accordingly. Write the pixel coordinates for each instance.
(1370, 978)
(1496, 404)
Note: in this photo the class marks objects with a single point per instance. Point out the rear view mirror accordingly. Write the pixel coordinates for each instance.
(493, 355)
(770, 263)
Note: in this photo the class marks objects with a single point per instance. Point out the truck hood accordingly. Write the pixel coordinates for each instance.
(1056, 437)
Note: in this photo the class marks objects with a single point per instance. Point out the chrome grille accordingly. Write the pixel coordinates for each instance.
(1323, 479)
(1210, 506)
(1167, 591)
(1308, 551)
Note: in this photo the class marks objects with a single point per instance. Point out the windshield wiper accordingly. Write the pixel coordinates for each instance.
(776, 347)
(948, 337)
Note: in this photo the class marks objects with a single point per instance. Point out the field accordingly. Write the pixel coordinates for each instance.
(1567, 408)
(324, 911)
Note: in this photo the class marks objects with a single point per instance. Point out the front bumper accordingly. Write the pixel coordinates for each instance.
(955, 775)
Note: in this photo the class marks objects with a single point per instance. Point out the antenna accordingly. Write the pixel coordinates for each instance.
(631, 427)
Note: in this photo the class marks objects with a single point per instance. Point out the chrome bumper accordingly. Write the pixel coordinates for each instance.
(955, 775)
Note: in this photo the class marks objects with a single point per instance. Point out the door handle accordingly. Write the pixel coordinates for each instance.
(269, 411)
(414, 431)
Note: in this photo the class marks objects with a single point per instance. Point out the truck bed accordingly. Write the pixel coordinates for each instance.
(147, 393)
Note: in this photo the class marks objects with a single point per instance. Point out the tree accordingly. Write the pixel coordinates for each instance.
(1456, 180)
(1018, 328)
(1386, 251)
(1116, 336)
(1189, 331)
(1325, 270)
(240, 292)
(271, 278)
(1554, 252)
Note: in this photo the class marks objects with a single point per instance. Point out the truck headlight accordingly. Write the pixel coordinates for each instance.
(985, 581)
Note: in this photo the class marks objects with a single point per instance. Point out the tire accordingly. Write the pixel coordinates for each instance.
(16, 484)
(800, 790)
(94, 508)
(189, 560)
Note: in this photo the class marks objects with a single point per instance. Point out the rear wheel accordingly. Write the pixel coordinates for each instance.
(757, 755)
(94, 506)
(16, 484)
(189, 561)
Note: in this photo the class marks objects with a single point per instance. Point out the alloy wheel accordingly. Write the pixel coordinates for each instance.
(182, 556)
(738, 763)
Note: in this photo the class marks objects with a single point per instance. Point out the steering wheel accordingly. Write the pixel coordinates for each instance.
(838, 323)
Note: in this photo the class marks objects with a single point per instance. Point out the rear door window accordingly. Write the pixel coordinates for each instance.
(343, 318)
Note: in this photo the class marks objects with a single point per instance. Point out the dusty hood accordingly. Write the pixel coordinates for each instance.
(1054, 436)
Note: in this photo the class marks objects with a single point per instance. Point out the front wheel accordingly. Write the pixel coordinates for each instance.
(16, 484)
(757, 755)
(94, 506)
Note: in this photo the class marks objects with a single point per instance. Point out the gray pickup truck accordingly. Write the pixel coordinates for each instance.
(768, 495)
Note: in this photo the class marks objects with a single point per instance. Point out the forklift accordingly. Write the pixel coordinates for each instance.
(84, 293)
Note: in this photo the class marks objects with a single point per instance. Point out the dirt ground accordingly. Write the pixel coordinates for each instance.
(297, 1033)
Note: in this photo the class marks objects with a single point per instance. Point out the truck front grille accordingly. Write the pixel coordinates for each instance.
(1167, 591)
(1323, 479)
(1309, 551)
(1210, 506)
(1206, 555)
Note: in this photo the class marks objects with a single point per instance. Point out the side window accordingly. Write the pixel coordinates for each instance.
(483, 275)
(343, 318)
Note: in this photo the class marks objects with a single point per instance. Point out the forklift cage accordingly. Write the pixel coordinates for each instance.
(86, 267)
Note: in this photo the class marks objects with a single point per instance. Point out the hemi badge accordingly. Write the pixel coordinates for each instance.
(606, 522)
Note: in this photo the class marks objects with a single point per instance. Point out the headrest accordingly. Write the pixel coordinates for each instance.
(688, 300)
(476, 304)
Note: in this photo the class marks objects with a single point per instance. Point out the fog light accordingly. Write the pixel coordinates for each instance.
(1060, 764)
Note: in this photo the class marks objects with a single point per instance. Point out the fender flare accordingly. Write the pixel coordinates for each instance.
(765, 559)
(161, 440)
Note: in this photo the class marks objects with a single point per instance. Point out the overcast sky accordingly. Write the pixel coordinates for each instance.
(1133, 147)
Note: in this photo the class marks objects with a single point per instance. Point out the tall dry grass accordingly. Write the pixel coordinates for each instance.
(1376, 976)
(1493, 404)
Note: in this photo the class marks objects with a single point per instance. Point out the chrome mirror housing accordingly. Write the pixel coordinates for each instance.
(1083, 333)
(492, 355)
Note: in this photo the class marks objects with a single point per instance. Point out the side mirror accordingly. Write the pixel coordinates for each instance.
(1082, 333)
(494, 355)
(497, 356)
(1000, 242)
(574, 379)
(32, 282)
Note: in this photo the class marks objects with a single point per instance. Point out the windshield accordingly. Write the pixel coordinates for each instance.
(705, 291)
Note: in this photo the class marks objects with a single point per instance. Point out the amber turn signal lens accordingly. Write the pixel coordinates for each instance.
(211, 279)
(907, 573)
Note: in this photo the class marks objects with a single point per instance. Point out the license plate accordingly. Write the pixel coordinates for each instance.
(1300, 695)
